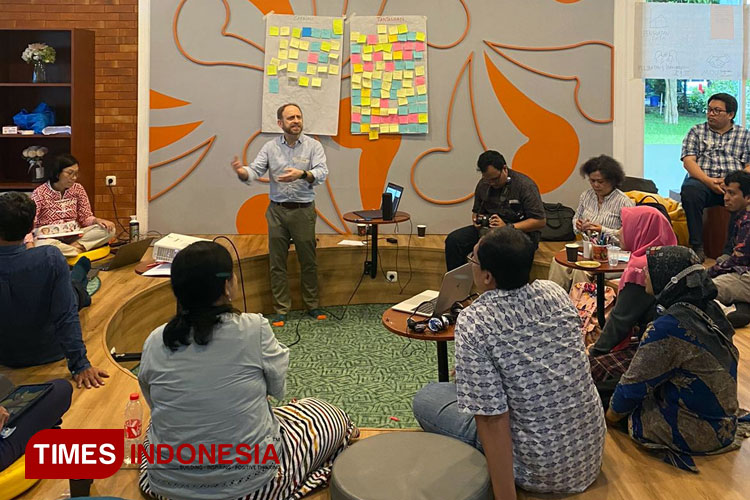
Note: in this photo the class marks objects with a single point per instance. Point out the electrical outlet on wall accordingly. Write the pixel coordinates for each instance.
(391, 276)
(111, 180)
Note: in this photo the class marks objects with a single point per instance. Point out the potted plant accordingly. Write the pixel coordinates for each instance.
(39, 54)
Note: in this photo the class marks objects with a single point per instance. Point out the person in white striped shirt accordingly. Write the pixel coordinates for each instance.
(598, 210)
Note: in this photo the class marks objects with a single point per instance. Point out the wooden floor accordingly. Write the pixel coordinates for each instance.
(128, 306)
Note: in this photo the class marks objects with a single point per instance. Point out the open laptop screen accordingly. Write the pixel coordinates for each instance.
(396, 192)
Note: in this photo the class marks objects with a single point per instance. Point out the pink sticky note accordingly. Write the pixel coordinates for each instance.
(413, 118)
(356, 59)
(409, 46)
(377, 56)
(397, 46)
(418, 45)
(403, 119)
(372, 39)
(375, 119)
(312, 58)
(389, 66)
(356, 117)
(368, 66)
(419, 80)
(393, 118)
(384, 103)
(408, 55)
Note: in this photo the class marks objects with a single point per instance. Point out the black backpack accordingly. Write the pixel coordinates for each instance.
(559, 225)
(661, 208)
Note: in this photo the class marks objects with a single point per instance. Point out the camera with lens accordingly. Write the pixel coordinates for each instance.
(483, 220)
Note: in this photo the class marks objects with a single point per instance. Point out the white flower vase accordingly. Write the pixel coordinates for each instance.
(40, 73)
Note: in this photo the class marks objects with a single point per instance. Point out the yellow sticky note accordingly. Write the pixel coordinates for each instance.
(408, 74)
(283, 54)
(380, 65)
(419, 71)
(409, 92)
(422, 118)
(281, 67)
(357, 68)
(304, 44)
(356, 109)
(333, 69)
(392, 111)
(375, 112)
(322, 68)
(403, 101)
(421, 89)
(365, 101)
(291, 67)
(367, 57)
(366, 112)
(398, 75)
(382, 28)
(378, 75)
(311, 69)
(382, 39)
(271, 69)
(387, 56)
(335, 45)
(366, 93)
(367, 75)
(364, 127)
(317, 82)
(374, 126)
(273, 31)
(338, 26)
(274, 61)
(385, 94)
(362, 38)
(386, 86)
(387, 47)
(296, 32)
(294, 43)
(284, 31)
(284, 44)
(420, 36)
(398, 55)
(367, 84)
(367, 49)
(293, 54)
(401, 93)
(333, 55)
(407, 83)
(354, 36)
(393, 38)
(388, 77)
(292, 76)
(357, 78)
(304, 81)
(402, 28)
(325, 46)
(373, 135)
(356, 86)
(392, 29)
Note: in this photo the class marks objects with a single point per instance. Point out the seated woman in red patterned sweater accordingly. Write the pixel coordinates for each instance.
(62, 207)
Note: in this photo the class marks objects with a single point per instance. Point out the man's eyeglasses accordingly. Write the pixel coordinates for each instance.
(715, 111)
(470, 258)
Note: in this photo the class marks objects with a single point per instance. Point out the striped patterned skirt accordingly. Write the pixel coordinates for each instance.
(313, 434)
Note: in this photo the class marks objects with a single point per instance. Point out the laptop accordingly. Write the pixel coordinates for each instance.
(396, 191)
(456, 287)
(127, 254)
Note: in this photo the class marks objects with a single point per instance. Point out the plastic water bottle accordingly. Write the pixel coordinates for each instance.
(133, 424)
(134, 228)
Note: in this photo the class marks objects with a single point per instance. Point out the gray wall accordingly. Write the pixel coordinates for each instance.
(228, 101)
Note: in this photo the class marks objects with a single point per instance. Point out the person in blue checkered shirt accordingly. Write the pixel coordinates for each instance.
(710, 151)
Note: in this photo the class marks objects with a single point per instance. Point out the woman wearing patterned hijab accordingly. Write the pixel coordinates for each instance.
(680, 390)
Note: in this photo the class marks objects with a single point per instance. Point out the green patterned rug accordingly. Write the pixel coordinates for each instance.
(358, 365)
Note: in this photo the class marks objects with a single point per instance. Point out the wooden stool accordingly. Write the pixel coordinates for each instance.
(13, 480)
(715, 226)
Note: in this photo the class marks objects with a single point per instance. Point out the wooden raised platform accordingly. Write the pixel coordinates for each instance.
(128, 307)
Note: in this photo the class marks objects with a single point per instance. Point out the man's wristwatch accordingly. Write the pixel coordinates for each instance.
(304, 174)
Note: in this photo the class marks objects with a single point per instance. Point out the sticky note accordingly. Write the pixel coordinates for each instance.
(326, 34)
(304, 45)
(422, 117)
(418, 54)
(422, 107)
(357, 78)
(408, 74)
(284, 31)
(311, 69)
(411, 36)
(284, 44)
(365, 101)
(356, 117)
(291, 67)
(402, 119)
(294, 43)
(387, 56)
(422, 89)
(315, 46)
(293, 54)
(356, 49)
(420, 36)
(402, 28)
(367, 75)
(283, 54)
(403, 108)
(335, 45)
(312, 57)
(398, 55)
(296, 32)
(420, 80)
(373, 135)
(364, 127)
(409, 65)
(413, 118)
(385, 94)
(273, 85)
(392, 29)
(281, 67)
(317, 82)
(419, 70)
(323, 68)
(307, 32)
(273, 31)
(393, 38)
(382, 29)
(380, 65)
(274, 61)
(338, 26)
(402, 37)
(377, 74)
(357, 68)
(398, 75)
(333, 55)
(407, 55)
(333, 69)
(367, 57)
(356, 59)
(323, 57)
(407, 83)
(354, 128)
(362, 38)
(386, 85)
(325, 46)
(382, 40)
(387, 76)
(304, 81)
(314, 32)
(354, 36)
(367, 83)
(367, 49)
(366, 112)
(409, 91)
(302, 67)
(271, 70)
(372, 39)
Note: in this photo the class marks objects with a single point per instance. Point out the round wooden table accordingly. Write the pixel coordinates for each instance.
(395, 321)
(561, 258)
(371, 266)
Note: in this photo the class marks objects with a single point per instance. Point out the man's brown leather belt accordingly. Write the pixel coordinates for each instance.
(292, 204)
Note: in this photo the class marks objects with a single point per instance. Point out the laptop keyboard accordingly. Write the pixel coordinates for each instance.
(427, 307)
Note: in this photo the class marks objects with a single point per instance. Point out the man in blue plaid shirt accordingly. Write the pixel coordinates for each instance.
(710, 151)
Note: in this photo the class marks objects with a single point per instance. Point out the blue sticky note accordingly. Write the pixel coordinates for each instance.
(403, 110)
(314, 46)
(323, 57)
(422, 107)
(421, 128)
(402, 37)
(408, 64)
(326, 33)
(315, 33)
(422, 98)
(396, 85)
(413, 108)
(411, 36)
(377, 84)
(302, 67)
(412, 100)
(273, 85)
(399, 65)
(356, 48)
(418, 54)
(365, 119)
(356, 93)
(409, 128)
(356, 100)
(355, 128)
(306, 31)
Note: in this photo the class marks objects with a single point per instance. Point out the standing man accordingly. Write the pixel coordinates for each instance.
(500, 199)
(295, 163)
(710, 151)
